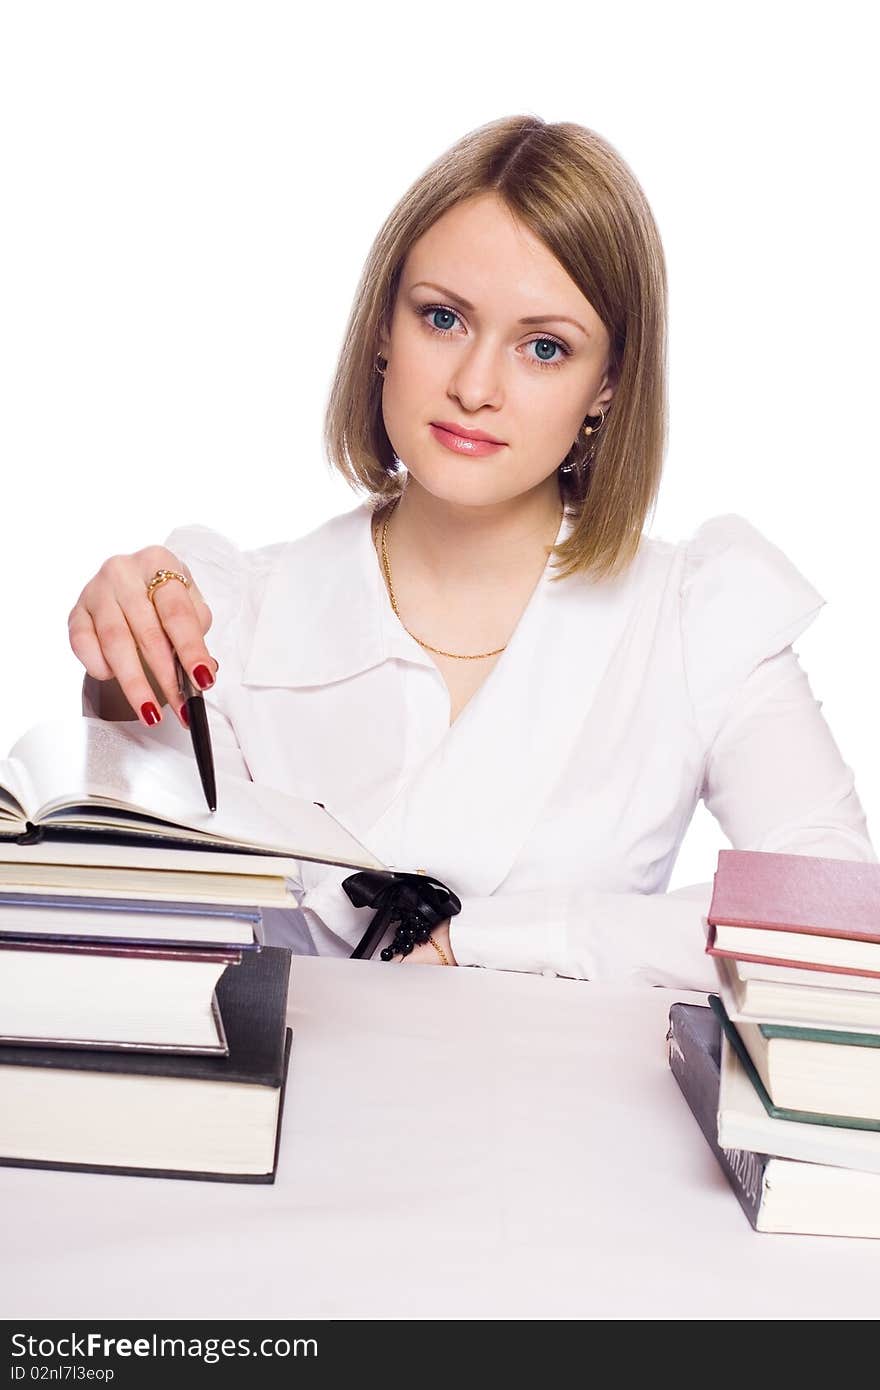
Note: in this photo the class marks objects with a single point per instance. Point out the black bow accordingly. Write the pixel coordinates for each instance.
(416, 902)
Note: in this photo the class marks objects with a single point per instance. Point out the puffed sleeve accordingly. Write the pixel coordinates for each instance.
(774, 779)
(741, 601)
(222, 572)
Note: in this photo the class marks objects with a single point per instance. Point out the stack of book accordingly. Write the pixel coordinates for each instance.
(142, 1018)
(782, 1070)
(116, 973)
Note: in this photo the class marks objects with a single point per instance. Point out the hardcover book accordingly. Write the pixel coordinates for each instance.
(62, 919)
(103, 996)
(795, 1000)
(796, 909)
(90, 779)
(777, 1194)
(833, 1071)
(735, 1044)
(78, 971)
(97, 867)
(160, 1114)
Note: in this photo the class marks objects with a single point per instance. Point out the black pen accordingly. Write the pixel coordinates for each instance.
(199, 732)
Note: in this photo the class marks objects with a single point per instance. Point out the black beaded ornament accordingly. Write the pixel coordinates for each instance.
(416, 902)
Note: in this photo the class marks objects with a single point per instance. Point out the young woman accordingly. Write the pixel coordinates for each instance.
(486, 669)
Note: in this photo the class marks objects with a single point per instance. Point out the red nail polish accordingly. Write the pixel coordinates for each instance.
(150, 713)
(184, 716)
(203, 677)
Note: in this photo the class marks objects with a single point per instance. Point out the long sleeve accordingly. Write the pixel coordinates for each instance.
(774, 780)
(772, 777)
(768, 770)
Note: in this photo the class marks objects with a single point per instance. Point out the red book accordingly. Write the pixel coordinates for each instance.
(796, 909)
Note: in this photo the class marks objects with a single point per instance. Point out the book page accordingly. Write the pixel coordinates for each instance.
(743, 1123)
(85, 879)
(16, 792)
(78, 760)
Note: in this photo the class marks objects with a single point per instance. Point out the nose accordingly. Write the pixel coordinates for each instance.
(478, 378)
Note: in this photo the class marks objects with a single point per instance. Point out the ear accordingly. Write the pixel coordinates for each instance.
(606, 390)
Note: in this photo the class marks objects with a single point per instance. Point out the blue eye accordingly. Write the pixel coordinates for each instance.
(448, 313)
(546, 343)
(427, 312)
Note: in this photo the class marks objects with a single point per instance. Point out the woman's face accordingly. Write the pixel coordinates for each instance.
(459, 353)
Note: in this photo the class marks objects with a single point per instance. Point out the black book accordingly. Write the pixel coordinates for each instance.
(694, 1053)
(783, 1195)
(165, 1115)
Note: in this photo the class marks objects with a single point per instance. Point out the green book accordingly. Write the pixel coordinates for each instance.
(833, 1037)
(813, 1037)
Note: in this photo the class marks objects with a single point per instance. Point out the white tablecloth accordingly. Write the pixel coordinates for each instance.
(456, 1144)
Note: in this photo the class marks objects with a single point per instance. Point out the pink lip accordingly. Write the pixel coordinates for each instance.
(472, 448)
(464, 433)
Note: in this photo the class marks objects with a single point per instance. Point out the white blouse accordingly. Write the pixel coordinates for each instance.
(555, 804)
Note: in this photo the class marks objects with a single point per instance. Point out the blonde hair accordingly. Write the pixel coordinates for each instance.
(574, 192)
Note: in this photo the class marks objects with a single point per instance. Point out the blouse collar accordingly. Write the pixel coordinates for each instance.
(325, 612)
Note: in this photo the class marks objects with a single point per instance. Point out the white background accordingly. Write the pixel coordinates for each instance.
(189, 191)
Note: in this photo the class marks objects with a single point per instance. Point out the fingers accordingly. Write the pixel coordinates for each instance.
(120, 655)
(114, 624)
(85, 645)
(171, 623)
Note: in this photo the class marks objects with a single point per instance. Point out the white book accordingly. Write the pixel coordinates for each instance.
(743, 1123)
(99, 779)
(135, 1000)
(794, 975)
(62, 918)
(826, 1072)
(161, 883)
(769, 1001)
(148, 871)
(814, 1198)
(848, 953)
(77, 971)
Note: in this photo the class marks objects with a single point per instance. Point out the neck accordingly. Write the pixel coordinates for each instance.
(450, 542)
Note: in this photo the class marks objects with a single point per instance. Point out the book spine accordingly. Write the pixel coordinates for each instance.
(699, 1080)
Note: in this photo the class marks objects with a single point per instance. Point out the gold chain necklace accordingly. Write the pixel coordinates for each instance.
(387, 568)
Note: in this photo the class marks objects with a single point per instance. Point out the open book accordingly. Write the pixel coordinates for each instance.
(85, 780)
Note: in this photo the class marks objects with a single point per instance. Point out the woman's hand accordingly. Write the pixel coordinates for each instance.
(114, 622)
(426, 953)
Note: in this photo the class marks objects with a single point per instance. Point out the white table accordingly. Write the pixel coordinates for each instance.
(457, 1144)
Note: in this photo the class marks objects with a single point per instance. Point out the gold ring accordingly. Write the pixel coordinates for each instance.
(162, 577)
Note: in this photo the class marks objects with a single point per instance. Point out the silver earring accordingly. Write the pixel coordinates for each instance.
(376, 363)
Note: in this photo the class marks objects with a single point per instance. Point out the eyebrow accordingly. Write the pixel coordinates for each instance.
(533, 318)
